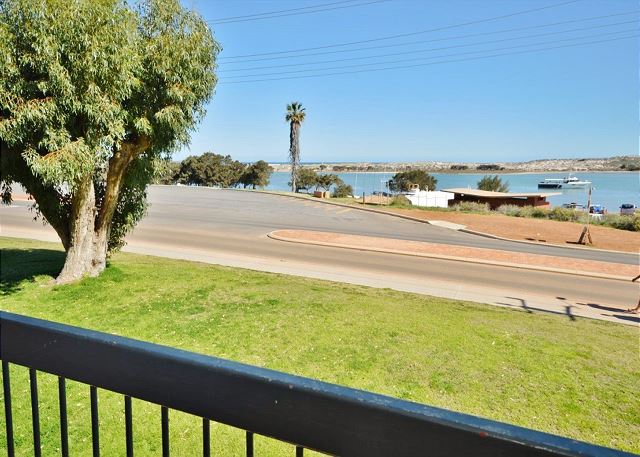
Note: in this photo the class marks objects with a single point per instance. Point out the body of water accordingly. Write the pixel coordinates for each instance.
(610, 189)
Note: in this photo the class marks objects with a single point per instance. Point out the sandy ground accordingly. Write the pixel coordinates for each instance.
(421, 248)
(543, 231)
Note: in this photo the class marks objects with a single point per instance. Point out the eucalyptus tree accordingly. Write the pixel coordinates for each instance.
(401, 182)
(493, 183)
(295, 116)
(94, 95)
(257, 175)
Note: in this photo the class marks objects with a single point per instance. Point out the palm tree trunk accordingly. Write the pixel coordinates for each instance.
(294, 153)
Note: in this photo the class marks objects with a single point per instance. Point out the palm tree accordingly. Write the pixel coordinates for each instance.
(295, 117)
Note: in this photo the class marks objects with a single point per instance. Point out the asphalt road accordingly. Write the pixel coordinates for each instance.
(248, 214)
(230, 227)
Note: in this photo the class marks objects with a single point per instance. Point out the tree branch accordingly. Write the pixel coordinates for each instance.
(118, 165)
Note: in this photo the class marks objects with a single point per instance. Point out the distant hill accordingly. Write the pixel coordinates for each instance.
(619, 163)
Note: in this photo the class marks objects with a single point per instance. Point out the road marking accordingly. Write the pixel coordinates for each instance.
(346, 210)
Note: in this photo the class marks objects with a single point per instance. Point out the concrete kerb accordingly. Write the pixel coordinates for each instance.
(273, 235)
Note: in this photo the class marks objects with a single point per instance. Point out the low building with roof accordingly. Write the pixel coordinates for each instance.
(496, 199)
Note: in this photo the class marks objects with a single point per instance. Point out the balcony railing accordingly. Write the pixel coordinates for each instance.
(306, 413)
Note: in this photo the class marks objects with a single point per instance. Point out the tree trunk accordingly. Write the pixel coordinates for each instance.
(89, 226)
(81, 234)
(294, 153)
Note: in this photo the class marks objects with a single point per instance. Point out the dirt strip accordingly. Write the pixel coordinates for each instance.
(542, 231)
(453, 252)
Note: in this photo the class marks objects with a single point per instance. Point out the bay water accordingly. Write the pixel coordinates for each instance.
(610, 189)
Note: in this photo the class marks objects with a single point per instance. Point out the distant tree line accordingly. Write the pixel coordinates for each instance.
(402, 182)
(217, 170)
(307, 179)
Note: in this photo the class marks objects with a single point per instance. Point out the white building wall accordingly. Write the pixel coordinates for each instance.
(433, 198)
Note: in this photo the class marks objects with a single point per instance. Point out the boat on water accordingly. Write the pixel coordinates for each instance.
(568, 182)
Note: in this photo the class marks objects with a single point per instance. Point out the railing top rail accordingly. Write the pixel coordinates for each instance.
(317, 415)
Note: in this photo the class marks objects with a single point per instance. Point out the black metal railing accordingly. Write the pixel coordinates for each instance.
(304, 412)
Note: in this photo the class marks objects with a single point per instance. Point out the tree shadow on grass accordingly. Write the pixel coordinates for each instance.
(18, 265)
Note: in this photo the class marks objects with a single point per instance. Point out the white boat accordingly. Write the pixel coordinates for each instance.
(551, 183)
(573, 181)
(568, 182)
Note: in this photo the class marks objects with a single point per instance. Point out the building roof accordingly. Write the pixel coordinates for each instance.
(490, 194)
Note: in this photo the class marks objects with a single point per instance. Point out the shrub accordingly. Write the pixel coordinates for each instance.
(565, 214)
(534, 211)
(471, 207)
(400, 200)
(343, 190)
(510, 210)
(631, 223)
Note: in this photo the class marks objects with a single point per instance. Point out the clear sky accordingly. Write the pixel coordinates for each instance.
(572, 101)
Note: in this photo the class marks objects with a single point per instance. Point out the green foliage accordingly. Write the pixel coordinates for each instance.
(343, 190)
(401, 201)
(168, 172)
(493, 183)
(401, 182)
(631, 222)
(211, 169)
(536, 212)
(509, 210)
(90, 85)
(566, 214)
(325, 181)
(471, 207)
(306, 178)
(295, 113)
(621, 222)
(256, 175)
(489, 167)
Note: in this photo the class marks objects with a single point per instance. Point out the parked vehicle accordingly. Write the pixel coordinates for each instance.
(627, 209)
(597, 211)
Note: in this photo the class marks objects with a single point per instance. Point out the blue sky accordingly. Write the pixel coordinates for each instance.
(579, 101)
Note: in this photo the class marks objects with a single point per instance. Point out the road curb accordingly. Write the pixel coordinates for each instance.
(273, 235)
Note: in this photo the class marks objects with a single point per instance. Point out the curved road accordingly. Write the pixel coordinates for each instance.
(229, 227)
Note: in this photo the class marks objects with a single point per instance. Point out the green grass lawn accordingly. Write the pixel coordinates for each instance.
(575, 378)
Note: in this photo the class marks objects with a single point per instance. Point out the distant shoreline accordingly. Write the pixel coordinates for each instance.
(480, 172)
(608, 164)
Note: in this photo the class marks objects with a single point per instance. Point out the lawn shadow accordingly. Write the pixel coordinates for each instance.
(627, 317)
(522, 303)
(602, 307)
(17, 265)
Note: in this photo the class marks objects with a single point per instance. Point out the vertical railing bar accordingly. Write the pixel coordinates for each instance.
(95, 424)
(165, 431)
(299, 451)
(206, 438)
(249, 440)
(64, 430)
(35, 411)
(128, 425)
(8, 415)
